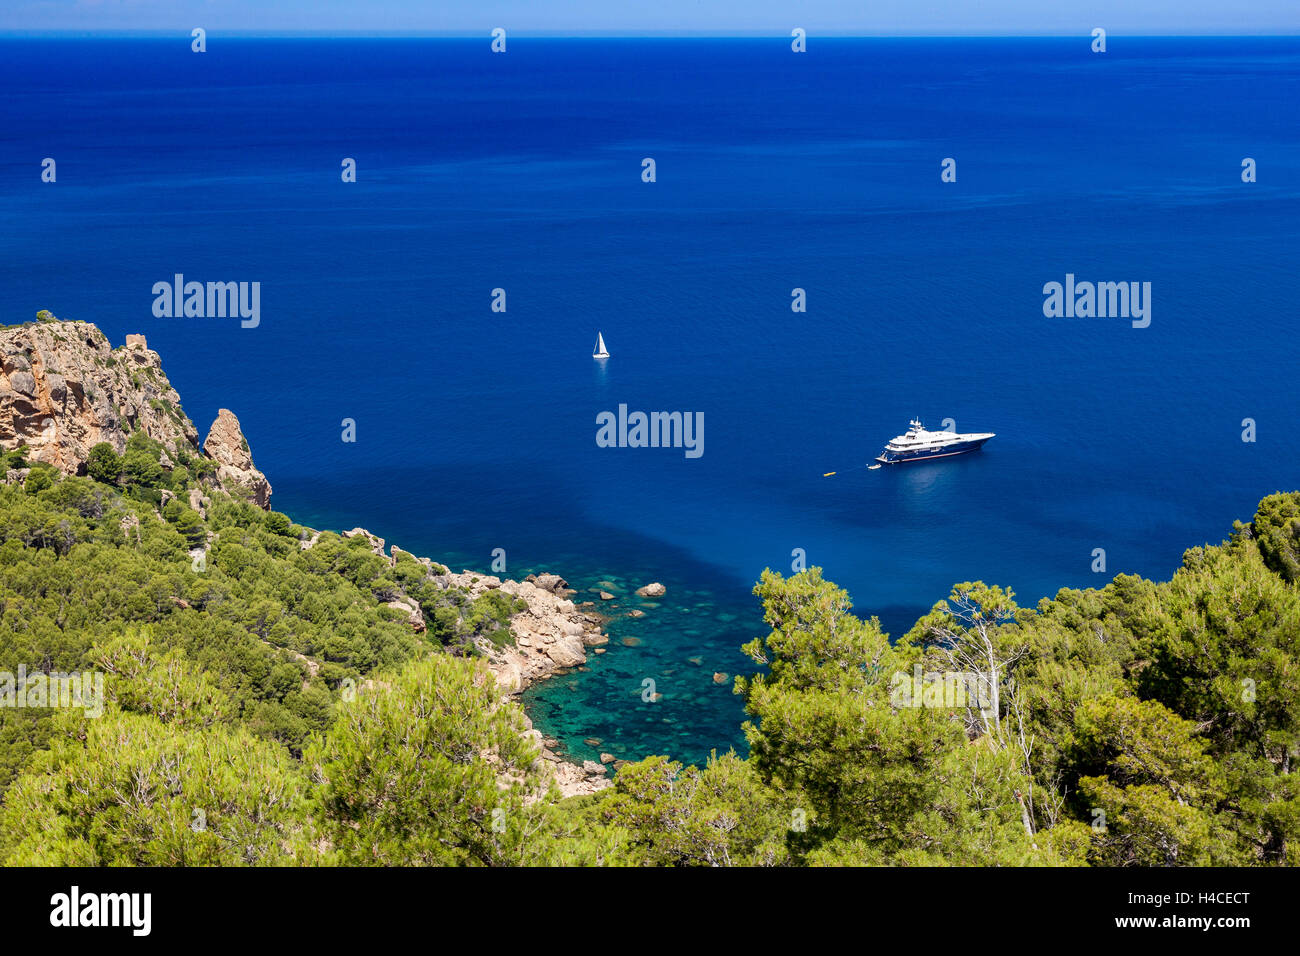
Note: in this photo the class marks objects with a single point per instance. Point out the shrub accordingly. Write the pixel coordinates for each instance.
(40, 478)
(103, 464)
(278, 523)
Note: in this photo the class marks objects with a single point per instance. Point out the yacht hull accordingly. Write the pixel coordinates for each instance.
(890, 457)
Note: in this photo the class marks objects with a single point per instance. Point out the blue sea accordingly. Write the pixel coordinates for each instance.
(774, 171)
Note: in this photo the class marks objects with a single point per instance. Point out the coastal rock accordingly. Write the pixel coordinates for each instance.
(720, 678)
(607, 758)
(551, 582)
(550, 635)
(652, 590)
(412, 611)
(63, 390)
(376, 542)
(574, 780)
(606, 596)
(236, 472)
(567, 652)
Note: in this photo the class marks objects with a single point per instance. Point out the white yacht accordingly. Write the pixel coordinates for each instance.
(600, 351)
(918, 444)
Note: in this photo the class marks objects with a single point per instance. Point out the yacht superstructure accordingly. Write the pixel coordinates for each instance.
(919, 444)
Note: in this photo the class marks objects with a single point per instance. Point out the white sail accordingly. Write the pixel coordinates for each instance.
(600, 351)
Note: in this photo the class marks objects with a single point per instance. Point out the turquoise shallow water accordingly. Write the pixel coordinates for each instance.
(682, 642)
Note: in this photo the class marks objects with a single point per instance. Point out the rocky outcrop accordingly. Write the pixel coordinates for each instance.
(551, 582)
(227, 446)
(376, 542)
(652, 590)
(550, 636)
(411, 609)
(64, 390)
(576, 779)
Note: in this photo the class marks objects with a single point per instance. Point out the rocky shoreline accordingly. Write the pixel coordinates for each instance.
(551, 638)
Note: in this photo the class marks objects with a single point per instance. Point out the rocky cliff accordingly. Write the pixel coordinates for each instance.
(64, 389)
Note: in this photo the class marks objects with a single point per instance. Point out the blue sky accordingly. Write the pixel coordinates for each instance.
(655, 17)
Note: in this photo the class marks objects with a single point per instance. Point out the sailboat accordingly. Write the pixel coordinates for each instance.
(600, 351)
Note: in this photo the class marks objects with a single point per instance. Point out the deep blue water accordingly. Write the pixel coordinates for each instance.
(476, 430)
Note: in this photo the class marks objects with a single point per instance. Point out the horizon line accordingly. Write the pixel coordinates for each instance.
(485, 34)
